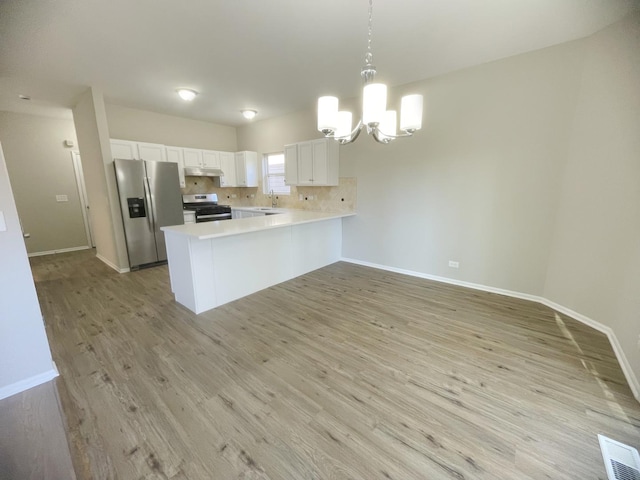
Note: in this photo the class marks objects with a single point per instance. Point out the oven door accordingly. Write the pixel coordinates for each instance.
(213, 217)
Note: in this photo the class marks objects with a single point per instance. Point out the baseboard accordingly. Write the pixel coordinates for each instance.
(112, 265)
(30, 382)
(62, 250)
(632, 380)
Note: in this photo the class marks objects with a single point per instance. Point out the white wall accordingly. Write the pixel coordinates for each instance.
(527, 172)
(143, 126)
(479, 184)
(41, 167)
(93, 140)
(594, 265)
(25, 359)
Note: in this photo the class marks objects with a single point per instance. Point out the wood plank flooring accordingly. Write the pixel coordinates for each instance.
(344, 373)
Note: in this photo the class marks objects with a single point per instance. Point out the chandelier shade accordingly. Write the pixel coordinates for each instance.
(378, 121)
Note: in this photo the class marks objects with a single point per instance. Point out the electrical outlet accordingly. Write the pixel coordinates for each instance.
(233, 195)
(310, 197)
(453, 264)
(253, 195)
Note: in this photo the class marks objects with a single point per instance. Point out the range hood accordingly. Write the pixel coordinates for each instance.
(202, 172)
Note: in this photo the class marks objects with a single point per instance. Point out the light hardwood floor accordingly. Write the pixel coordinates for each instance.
(344, 373)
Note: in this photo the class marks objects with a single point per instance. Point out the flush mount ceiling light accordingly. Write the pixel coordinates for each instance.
(249, 114)
(187, 94)
(380, 122)
(24, 97)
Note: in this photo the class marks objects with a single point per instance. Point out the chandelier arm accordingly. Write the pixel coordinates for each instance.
(348, 138)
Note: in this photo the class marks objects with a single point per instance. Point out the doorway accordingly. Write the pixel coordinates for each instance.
(84, 199)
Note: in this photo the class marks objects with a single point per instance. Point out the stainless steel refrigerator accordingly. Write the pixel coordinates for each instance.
(150, 198)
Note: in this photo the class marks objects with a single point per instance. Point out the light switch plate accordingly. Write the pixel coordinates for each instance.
(3, 224)
(62, 198)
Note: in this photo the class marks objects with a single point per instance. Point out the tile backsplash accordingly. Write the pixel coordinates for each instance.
(341, 198)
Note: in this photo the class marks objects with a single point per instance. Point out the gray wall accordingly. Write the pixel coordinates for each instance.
(24, 351)
(594, 266)
(526, 172)
(143, 126)
(41, 167)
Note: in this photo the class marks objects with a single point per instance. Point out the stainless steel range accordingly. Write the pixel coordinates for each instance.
(206, 207)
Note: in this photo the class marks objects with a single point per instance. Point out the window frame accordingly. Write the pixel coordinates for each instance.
(267, 175)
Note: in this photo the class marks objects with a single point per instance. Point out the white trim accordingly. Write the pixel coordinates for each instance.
(62, 250)
(632, 380)
(112, 265)
(82, 195)
(30, 382)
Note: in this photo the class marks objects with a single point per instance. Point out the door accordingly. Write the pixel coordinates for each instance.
(153, 152)
(124, 149)
(166, 200)
(241, 169)
(291, 164)
(305, 163)
(192, 157)
(228, 167)
(84, 198)
(320, 167)
(210, 159)
(136, 211)
(174, 155)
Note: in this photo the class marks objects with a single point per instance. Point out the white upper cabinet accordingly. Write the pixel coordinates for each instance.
(246, 169)
(291, 164)
(175, 155)
(124, 149)
(228, 167)
(313, 163)
(210, 159)
(153, 152)
(192, 157)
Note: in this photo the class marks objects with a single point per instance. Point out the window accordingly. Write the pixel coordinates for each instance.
(274, 178)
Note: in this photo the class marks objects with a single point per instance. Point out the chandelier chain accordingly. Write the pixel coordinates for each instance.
(369, 56)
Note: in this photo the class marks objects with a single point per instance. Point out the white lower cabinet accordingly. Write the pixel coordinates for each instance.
(312, 163)
(240, 213)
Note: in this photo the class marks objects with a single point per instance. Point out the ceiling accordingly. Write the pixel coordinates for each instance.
(275, 56)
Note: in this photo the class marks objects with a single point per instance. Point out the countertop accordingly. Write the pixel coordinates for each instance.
(225, 228)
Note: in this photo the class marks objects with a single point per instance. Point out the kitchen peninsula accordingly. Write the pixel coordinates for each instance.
(214, 263)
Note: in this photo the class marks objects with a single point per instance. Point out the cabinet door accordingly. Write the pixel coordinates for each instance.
(152, 151)
(124, 149)
(305, 163)
(291, 164)
(241, 170)
(251, 168)
(210, 159)
(174, 154)
(228, 167)
(192, 157)
(320, 165)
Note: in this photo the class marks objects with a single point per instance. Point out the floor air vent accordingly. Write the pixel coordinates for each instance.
(621, 461)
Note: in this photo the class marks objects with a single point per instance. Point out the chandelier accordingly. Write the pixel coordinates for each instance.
(379, 122)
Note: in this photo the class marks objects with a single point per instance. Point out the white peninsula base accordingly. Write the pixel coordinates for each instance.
(211, 265)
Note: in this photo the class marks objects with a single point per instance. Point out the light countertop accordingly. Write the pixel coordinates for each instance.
(225, 228)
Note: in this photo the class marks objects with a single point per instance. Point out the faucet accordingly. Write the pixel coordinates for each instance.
(274, 199)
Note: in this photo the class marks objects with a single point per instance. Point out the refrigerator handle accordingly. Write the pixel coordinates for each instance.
(147, 200)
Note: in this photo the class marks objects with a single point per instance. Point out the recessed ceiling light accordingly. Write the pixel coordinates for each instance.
(249, 114)
(24, 97)
(187, 94)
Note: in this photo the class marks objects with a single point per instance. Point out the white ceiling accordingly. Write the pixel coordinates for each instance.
(275, 56)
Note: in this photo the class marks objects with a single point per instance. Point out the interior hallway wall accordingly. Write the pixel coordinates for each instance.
(25, 357)
(41, 167)
(93, 139)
